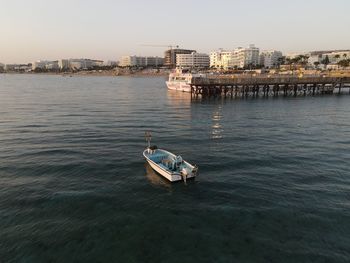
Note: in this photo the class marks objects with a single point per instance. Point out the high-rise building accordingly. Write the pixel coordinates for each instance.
(246, 57)
(63, 64)
(193, 60)
(270, 59)
(221, 59)
(170, 56)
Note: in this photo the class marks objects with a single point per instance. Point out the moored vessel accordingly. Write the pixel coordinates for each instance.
(180, 80)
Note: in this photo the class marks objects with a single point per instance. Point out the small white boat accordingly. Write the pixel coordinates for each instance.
(167, 164)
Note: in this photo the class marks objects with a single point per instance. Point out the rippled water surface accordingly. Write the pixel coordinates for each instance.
(274, 182)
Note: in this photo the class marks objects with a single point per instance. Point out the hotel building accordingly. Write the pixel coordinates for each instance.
(237, 58)
(170, 56)
(193, 60)
(136, 61)
(270, 59)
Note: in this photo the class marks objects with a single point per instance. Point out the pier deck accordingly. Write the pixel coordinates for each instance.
(223, 85)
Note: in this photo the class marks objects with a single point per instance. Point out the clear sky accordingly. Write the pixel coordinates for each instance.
(106, 29)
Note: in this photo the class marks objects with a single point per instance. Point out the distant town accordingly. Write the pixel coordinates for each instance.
(240, 58)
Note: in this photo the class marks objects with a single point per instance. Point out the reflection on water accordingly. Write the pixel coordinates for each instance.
(217, 128)
(156, 179)
(178, 98)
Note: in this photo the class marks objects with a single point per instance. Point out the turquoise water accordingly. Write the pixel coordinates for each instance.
(273, 184)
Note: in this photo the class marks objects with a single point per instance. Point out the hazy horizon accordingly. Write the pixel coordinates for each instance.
(33, 30)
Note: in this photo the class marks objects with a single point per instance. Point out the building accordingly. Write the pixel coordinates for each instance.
(336, 56)
(80, 63)
(110, 63)
(222, 59)
(39, 64)
(154, 61)
(314, 60)
(64, 64)
(18, 67)
(237, 58)
(246, 57)
(52, 65)
(170, 56)
(10, 67)
(270, 59)
(128, 61)
(215, 59)
(193, 60)
(45, 65)
(2, 67)
(137, 61)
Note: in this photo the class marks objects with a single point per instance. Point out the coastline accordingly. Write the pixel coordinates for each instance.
(104, 73)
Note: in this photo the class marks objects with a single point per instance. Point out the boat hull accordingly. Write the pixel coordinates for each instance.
(179, 86)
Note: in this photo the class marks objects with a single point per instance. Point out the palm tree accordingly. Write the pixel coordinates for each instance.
(337, 56)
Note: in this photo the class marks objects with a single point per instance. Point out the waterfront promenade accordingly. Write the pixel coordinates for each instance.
(267, 85)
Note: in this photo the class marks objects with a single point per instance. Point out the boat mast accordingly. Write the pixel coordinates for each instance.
(148, 137)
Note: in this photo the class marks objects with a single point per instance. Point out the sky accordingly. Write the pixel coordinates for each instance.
(46, 29)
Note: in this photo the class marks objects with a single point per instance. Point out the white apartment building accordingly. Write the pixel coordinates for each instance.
(40, 64)
(245, 57)
(64, 64)
(223, 59)
(237, 58)
(52, 65)
(333, 57)
(136, 61)
(79, 63)
(193, 60)
(110, 63)
(270, 58)
(336, 56)
(313, 59)
(215, 58)
(44, 64)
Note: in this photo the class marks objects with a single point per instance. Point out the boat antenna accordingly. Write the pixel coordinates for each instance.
(148, 137)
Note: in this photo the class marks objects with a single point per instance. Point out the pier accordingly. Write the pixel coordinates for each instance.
(267, 85)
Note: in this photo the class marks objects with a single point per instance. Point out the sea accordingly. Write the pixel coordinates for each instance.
(273, 182)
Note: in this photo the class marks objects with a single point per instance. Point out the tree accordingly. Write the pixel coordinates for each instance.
(281, 60)
(325, 61)
(337, 56)
(316, 63)
(344, 63)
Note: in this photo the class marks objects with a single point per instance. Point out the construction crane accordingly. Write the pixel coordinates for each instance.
(168, 46)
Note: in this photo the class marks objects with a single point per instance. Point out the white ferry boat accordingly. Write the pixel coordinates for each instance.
(181, 80)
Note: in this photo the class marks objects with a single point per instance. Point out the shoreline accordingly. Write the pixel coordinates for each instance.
(93, 74)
